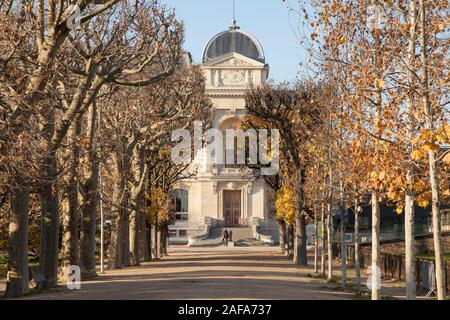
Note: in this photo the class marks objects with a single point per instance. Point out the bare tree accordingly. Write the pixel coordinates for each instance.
(294, 112)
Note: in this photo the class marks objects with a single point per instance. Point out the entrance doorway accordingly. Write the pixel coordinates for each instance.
(231, 207)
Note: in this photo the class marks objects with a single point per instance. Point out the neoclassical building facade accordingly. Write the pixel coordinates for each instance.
(226, 195)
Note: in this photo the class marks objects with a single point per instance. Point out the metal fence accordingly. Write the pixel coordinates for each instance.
(393, 266)
(396, 231)
(429, 277)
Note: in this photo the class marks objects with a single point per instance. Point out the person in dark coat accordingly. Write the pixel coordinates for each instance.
(225, 238)
(230, 235)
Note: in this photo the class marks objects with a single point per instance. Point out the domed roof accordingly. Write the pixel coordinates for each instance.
(234, 40)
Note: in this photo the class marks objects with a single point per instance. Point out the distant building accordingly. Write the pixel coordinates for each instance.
(226, 195)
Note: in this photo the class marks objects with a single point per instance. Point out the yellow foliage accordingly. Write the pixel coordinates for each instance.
(399, 209)
(423, 203)
(446, 159)
(416, 140)
(380, 83)
(426, 134)
(394, 196)
(441, 138)
(417, 155)
(374, 175)
(447, 130)
(427, 146)
(159, 207)
(400, 180)
(285, 204)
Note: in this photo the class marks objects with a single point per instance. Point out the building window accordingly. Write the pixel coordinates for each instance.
(230, 124)
(172, 233)
(181, 200)
(181, 217)
(182, 233)
(364, 223)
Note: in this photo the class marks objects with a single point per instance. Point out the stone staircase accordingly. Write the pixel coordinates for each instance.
(242, 236)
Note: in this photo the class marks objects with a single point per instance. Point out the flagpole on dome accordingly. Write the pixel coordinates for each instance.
(233, 23)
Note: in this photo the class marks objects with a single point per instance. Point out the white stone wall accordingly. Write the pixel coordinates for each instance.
(257, 199)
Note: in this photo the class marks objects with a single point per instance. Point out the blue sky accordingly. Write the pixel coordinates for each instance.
(268, 20)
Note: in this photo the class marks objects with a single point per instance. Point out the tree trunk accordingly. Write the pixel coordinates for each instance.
(136, 203)
(322, 240)
(90, 202)
(156, 244)
(300, 254)
(70, 250)
(48, 193)
(376, 276)
(433, 170)
(143, 239)
(342, 238)
(300, 236)
(102, 223)
(295, 244)
(343, 250)
(48, 254)
(316, 241)
(356, 240)
(126, 239)
(437, 236)
(282, 234)
(330, 237)
(290, 250)
(148, 242)
(163, 243)
(135, 219)
(410, 268)
(150, 239)
(17, 277)
(330, 228)
(115, 254)
(89, 222)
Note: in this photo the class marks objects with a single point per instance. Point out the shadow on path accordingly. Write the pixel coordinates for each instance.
(206, 274)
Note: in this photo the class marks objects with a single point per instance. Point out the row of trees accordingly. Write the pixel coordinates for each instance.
(373, 127)
(90, 91)
(297, 112)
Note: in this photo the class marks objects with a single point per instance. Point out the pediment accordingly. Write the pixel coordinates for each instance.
(233, 60)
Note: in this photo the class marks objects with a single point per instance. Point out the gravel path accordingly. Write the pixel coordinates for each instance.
(205, 273)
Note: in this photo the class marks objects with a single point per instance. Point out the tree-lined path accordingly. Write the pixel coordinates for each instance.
(205, 273)
(98, 104)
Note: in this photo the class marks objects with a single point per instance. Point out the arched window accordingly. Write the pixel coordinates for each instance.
(230, 123)
(181, 200)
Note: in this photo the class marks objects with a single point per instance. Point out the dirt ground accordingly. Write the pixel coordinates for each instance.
(213, 273)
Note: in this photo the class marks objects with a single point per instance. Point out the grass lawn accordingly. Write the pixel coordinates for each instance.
(368, 296)
(4, 260)
(3, 271)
